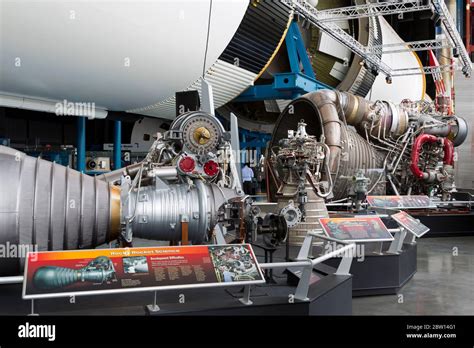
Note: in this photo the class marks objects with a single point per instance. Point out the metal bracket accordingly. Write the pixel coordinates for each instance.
(412, 239)
(302, 289)
(305, 250)
(207, 97)
(397, 244)
(380, 251)
(246, 299)
(219, 234)
(345, 264)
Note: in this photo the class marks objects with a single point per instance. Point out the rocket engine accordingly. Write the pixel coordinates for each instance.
(187, 184)
(401, 149)
(298, 163)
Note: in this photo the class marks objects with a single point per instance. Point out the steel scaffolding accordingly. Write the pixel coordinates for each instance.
(326, 21)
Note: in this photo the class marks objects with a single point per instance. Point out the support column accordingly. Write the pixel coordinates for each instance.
(460, 16)
(81, 144)
(118, 145)
(468, 27)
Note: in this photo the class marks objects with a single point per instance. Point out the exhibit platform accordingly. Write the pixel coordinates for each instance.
(382, 273)
(328, 294)
(447, 224)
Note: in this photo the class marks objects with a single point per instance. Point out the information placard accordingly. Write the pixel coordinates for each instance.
(103, 271)
(356, 229)
(410, 223)
(401, 202)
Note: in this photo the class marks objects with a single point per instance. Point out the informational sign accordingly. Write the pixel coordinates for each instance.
(410, 223)
(356, 229)
(103, 271)
(124, 147)
(401, 202)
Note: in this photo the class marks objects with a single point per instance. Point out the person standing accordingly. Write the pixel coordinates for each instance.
(247, 176)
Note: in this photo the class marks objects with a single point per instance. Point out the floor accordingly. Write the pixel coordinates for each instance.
(443, 285)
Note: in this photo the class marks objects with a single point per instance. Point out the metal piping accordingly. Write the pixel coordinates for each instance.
(417, 147)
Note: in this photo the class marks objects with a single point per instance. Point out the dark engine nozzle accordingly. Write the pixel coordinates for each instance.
(100, 270)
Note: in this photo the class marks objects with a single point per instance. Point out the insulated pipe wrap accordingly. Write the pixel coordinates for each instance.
(51, 207)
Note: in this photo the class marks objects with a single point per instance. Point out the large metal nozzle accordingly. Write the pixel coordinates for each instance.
(324, 113)
(51, 207)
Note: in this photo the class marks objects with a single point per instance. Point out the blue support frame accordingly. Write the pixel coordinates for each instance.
(291, 85)
(81, 144)
(249, 139)
(118, 145)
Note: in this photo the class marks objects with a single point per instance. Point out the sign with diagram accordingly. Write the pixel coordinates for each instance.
(400, 202)
(356, 229)
(410, 223)
(103, 271)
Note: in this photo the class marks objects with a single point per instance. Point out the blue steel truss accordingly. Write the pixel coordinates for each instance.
(292, 84)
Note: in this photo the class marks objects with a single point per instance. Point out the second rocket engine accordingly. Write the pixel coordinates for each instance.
(401, 149)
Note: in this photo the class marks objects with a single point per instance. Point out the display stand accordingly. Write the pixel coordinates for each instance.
(312, 289)
(383, 273)
(318, 289)
(33, 313)
(387, 266)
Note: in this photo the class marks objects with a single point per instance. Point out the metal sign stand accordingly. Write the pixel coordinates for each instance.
(380, 251)
(153, 307)
(246, 299)
(32, 313)
(397, 244)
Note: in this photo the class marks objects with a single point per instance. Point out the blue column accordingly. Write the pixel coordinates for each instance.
(118, 145)
(460, 9)
(81, 144)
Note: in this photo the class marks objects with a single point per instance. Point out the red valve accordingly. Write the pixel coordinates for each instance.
(187, 164)
(211, 168)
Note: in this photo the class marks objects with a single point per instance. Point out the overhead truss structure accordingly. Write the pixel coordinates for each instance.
(326, 21)
(373, 9)
(413, 46)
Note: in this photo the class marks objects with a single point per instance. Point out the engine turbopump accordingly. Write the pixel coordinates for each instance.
(187, 176)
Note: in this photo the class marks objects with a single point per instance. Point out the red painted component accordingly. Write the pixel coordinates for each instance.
(416, 150)
(448, 152)
(187, 164)
(469, 29)
(448, 148)
(211, 168)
